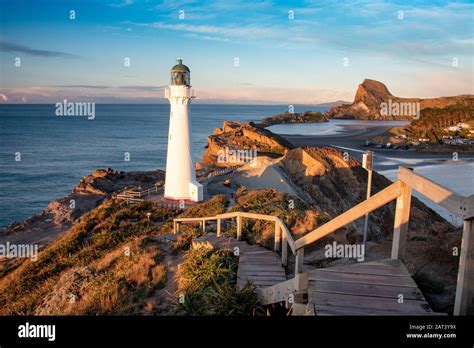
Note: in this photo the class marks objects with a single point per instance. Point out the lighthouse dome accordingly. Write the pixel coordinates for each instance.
(180, 74)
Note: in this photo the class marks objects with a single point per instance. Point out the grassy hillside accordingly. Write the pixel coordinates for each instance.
(433, 120)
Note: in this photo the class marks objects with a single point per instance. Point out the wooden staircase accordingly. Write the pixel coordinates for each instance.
(382, 287)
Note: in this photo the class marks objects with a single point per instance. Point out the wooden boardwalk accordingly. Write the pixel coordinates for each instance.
(372, 288)
(258, 265)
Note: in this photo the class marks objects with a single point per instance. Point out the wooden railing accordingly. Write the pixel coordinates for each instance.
(401, 191)
(282, 235)
(133, 195)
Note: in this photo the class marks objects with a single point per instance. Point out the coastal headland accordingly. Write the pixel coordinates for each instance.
(306, 186)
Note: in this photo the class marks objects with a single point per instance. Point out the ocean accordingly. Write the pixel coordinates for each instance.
(56, 151)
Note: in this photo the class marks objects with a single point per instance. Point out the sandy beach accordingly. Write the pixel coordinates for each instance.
(353, 137)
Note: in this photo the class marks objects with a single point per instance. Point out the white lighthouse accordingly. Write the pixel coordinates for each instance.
(180, 182)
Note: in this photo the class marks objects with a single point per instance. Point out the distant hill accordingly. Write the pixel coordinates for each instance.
(371, 96)
(287, 117)
(333, 104)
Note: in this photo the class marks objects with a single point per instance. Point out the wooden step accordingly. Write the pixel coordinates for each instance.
(373, 288)
(261, 268)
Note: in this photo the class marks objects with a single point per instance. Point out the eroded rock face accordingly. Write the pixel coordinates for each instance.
(236, 136)
(336, 184)
(106, 181)
(370, 94)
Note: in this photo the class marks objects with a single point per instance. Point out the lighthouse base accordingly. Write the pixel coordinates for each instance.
(196, 193)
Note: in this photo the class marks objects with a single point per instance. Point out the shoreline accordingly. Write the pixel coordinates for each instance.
(353, 138)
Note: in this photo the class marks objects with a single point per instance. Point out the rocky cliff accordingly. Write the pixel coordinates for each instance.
(371, 94)
(224, 145)
(60, 214)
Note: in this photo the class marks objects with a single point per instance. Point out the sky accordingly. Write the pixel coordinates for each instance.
(253, 52)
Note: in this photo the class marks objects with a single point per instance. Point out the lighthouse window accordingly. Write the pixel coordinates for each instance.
(180, 78)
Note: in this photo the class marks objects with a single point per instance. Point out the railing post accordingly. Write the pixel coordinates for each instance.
(177, 227)
(464, 302)
(277, 235)
(218, 227)
(284, 248)
(299, 261)
(174, 227)
(402, 217)
(203, 226)
(239, 227)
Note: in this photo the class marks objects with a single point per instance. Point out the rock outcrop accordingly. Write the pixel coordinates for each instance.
(288, 118)
(336, 184)
(60, 214)
(370, 94)
(230, 145)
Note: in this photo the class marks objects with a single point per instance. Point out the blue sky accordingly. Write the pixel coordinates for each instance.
(281, 59)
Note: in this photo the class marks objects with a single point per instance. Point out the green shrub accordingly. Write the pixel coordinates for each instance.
(208, 278)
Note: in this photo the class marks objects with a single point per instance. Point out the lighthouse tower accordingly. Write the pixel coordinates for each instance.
(180, 182)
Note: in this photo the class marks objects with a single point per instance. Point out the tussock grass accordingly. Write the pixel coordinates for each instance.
(290, 209)
(97, 234)
(205, 266)
(207, 279)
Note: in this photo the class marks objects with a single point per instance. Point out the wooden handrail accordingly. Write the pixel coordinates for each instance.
(134, 193)
(380, 198)
(437, 193)
(195, 219)
(290, 240)
(282, 234)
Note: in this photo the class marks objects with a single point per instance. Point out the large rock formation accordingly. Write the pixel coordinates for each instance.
(226, 142)
(371, 94)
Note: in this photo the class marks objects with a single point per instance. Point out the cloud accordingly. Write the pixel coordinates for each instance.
(207, 37)
(242, 93)
(143, 88)
(12, 47)
(122, 4)
(82, 92)
(3, 97)
(227, 31)
(82, 86)
(272, 95)
(427, 32)
(135, 88)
